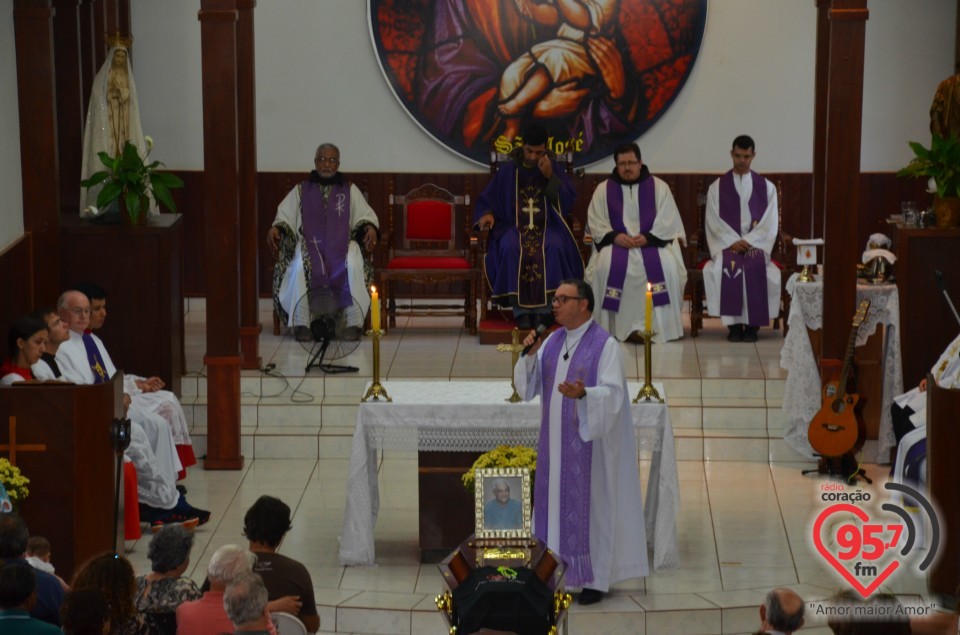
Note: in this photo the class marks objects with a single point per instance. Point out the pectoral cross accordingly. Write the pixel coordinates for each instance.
(530, 209)
(12, 447)
(514, 347)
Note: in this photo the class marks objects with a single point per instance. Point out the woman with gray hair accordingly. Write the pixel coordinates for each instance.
(207, 615)
(160, 593)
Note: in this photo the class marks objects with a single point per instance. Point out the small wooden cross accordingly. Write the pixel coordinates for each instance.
(12, 447)
(514, 347)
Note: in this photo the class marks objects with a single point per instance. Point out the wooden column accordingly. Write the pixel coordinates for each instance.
(250, 326)
(70, 103)
(39, 165)
(841, 179)
(820, 115)
(218, 40)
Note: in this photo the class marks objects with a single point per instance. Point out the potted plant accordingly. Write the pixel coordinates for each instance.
(13, 486)
(941, 164)
(132, 182)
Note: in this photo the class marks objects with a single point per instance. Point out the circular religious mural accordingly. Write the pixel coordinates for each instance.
(595, 73)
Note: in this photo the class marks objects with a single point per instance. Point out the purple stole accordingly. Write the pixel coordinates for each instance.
(647, 199)
(95, 359)
(752, 265)
(326, 238)
(576, 455)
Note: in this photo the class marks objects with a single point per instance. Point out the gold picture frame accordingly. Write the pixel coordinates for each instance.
(497, 518)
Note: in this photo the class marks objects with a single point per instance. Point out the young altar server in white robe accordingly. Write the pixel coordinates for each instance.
(742, 285)
(587, 503)
(636, 228)
(312, 233)
(151, 448)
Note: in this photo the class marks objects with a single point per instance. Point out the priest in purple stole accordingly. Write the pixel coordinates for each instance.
(636, 229)
(587, 503)
(741, 283)
(531, 247)
(312, 233)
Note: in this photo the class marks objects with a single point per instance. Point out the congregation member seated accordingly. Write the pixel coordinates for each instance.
(880, 614)
(162, 591)
(207, 616)
(57, 333)
(146, 393)
(13, 545)
(26, 342)
(245, 602)
(312, 235)
(636, 228)
(18, 593)
(781, 612)
(84, 360)
(741, 283)
(38, 556)
(112, 574)
(85, 612)
(531, 248)
(264, 525)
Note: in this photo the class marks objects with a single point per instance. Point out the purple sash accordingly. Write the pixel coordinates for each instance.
(576, 455)
(647, 199)
(326, 237)
(751, 266)
(95, 360)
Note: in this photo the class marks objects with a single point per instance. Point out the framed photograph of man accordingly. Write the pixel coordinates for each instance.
(503, 502)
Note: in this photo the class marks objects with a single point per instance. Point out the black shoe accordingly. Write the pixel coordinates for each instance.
(525, 321)
(750, 334)
(182, 490)
(589, 596)
(182, 512)
(635, 338)
(736, 333)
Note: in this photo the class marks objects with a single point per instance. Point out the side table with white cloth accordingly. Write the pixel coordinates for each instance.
(475, 416)
(802, 394)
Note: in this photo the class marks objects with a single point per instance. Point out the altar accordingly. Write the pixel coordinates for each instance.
(441, 416)
(802, 393)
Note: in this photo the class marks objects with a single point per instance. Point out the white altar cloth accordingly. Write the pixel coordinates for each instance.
(802, 396)
(474, 416)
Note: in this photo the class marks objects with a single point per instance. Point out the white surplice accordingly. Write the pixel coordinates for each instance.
(667, 320)
(946, 372)
(618, 543)
(294, 284)
(720, 236)
(152, 448)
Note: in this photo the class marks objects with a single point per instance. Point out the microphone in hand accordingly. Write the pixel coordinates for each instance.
(541, 329)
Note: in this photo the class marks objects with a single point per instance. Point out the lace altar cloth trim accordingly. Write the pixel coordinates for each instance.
(802, 392)
(474, 416)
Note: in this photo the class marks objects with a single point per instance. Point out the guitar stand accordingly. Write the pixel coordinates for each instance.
(842, 468)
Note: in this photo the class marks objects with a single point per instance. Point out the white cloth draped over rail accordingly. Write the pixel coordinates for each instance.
(475, 416)
(802, 393)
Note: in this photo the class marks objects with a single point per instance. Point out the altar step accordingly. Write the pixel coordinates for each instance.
(313, 417)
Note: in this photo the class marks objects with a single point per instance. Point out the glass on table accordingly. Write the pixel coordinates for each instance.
(911, 215)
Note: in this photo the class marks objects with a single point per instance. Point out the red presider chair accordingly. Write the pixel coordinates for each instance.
(433, 246)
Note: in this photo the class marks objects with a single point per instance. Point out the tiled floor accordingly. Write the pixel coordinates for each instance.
(744, 524)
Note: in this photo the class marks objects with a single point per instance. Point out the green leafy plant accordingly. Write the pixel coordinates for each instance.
(502, 456)
(941, 162)
(130, 180)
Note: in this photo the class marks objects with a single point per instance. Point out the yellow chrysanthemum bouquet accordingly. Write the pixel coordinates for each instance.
(502, 456)
(14, 482)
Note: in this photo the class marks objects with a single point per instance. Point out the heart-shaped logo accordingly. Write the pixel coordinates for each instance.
(864, 545)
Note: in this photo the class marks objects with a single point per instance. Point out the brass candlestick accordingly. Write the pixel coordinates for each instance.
(806, 275)
(376, 389)
(514, 347)
(647, 391)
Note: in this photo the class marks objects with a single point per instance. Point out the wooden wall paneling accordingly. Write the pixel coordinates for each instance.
(16, 283)
(70, 106)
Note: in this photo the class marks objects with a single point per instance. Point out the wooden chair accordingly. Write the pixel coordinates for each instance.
(697, 255)
(431, 243)
(496, 323)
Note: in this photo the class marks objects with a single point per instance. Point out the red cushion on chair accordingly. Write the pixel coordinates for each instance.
(429, 220)
(702, 264)
(131, 503)
(779, 266)
(426, 262)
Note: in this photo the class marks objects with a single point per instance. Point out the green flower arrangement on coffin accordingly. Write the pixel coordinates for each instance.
(131, 182)
(503, 456)
(940, 163)
(13, 484)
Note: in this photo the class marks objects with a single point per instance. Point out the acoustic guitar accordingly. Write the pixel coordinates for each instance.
(835, 430)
